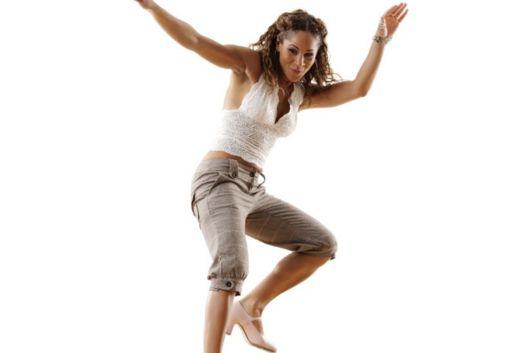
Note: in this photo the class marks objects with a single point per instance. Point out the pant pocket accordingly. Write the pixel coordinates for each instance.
(204, 181)
(196, 209)
(201, 187)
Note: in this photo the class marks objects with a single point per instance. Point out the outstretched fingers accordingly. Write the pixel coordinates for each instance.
(402, 15)
(390, 10)
(396, 10)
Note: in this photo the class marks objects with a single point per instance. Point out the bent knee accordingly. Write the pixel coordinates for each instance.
(325, 245)
(329, 245)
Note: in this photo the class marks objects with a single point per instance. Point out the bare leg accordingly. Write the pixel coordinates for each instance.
(217, 309)
(291, 270)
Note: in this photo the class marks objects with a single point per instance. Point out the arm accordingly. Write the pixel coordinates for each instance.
(346, 91)
(388, 24)
(367, 72)
(226, 56)
(179, 30)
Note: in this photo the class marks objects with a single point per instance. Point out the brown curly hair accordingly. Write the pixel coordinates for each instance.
(298, 20)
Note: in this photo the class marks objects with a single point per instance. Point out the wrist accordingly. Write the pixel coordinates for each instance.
(383, 40)
(381, 34)
(154, 8)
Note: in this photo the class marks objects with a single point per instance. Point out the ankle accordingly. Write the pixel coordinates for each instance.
(254, 307)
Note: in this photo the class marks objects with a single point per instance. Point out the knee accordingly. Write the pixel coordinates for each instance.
(323, 244)
(328, 245)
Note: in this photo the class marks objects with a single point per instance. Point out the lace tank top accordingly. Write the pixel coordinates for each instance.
(250, 131)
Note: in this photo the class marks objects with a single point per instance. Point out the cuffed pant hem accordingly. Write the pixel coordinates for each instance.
(227, 284)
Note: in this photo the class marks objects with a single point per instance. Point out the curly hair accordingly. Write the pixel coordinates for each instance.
(298, 20)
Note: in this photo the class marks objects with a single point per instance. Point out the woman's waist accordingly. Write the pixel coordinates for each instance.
(251, 167)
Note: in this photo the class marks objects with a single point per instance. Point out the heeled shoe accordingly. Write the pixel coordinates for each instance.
(239, 316)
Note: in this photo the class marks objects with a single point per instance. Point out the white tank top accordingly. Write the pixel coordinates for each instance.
(250, 131)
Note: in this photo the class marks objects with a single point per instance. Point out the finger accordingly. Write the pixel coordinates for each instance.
(389, 11)
(398, 9)
(403, 16)
(402, 8)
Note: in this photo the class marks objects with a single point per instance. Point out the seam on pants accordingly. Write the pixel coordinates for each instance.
(233, 174)
(264, 224)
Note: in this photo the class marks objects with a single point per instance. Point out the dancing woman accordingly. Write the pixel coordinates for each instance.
(284, 72)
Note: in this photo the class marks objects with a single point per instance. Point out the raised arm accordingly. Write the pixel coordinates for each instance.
(342, 92)
(226, 56)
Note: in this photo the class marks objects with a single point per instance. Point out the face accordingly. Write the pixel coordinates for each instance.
(297, 54)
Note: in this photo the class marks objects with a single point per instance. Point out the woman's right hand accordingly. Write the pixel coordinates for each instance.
(146, 4)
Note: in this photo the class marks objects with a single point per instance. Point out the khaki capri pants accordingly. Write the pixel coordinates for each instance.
(229, 204)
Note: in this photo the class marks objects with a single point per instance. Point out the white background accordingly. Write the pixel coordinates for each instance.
(424, 182)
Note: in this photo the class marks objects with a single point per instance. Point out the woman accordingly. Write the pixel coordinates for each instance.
(286, 71)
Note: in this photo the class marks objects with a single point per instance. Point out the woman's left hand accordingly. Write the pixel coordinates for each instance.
(391, 19)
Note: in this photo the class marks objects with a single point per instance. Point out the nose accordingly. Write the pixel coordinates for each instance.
(300, 61)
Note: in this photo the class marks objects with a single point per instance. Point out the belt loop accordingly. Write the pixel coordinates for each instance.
(263, 175)
(233, 169)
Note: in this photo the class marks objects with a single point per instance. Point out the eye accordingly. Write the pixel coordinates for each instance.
(292, 50)
(309, 55)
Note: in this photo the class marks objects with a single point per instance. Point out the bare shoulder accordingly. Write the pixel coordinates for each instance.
(252, 62)
(241, 80)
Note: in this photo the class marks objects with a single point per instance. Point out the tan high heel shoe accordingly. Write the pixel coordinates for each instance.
(239, 316)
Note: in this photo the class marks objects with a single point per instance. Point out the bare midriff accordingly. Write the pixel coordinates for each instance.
(222, 154)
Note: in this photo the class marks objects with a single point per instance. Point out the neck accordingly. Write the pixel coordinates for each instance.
(283, 82)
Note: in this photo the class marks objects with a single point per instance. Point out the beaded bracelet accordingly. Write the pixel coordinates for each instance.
(381, 39)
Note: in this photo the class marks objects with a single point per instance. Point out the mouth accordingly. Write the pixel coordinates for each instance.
(298, 72)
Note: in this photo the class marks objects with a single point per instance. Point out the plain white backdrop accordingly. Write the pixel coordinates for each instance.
(424, 182)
